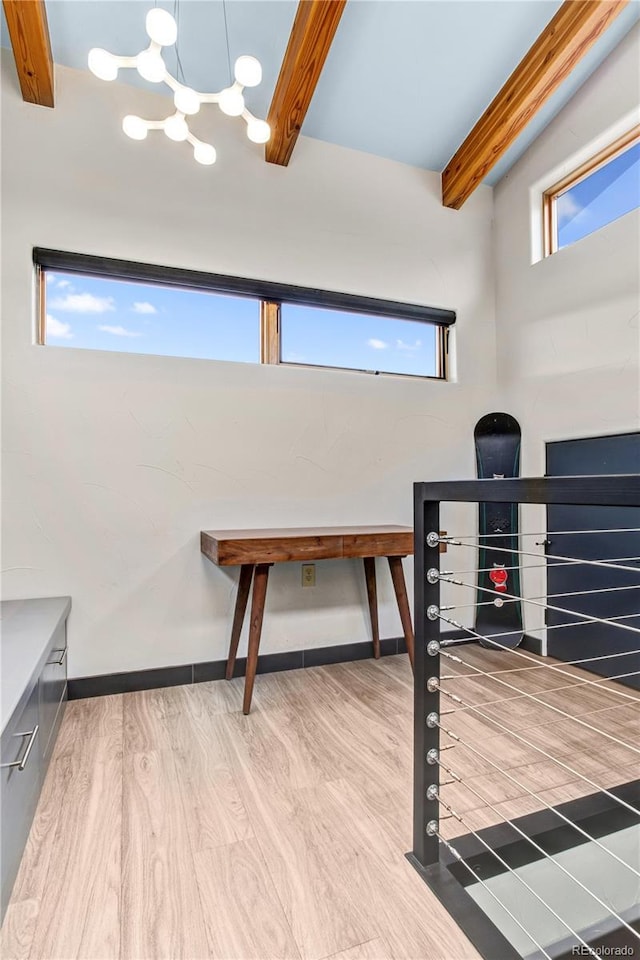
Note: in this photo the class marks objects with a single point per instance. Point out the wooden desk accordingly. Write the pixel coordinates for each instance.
(256, 550)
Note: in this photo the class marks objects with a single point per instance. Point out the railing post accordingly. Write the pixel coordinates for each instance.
(426, 668)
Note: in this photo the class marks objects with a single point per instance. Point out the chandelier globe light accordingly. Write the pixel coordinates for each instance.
(247, 71)
(162, 31)
(231, 101)
(135, 127)
(150, 66)
(103, 64)
(186, 100)
(161, 27)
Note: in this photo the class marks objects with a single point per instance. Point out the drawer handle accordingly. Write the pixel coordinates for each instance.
(21, 764)
(63, 657)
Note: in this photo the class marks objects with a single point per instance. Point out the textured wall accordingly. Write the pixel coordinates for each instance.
(567, 326)
(113, 463)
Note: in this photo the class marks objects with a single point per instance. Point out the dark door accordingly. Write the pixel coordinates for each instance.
(595, 455)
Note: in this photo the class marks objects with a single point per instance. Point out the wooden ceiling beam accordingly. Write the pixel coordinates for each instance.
(29, 33)
(314, 27)
(564, 41)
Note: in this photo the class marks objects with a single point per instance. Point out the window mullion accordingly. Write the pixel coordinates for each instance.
(269, 332)
(41, 307)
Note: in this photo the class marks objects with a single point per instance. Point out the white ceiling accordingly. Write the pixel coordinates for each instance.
(405, 79)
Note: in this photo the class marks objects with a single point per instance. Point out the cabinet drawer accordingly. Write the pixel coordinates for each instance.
(53, 683)
(19, 788)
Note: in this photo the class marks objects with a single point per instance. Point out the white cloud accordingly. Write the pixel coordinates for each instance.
(63, 283)
(401, 345)
(83, 303)
(567, 207)
(58, 330)
(143, 307)
(377, 344)
(118, 331)
(51, 278)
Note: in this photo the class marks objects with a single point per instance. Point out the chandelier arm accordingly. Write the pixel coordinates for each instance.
(175, 84)
(151, 66)
(212, 97)
(124, 62)
(195, 141)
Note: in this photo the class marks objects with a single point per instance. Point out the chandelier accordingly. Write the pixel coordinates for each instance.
(162, 30)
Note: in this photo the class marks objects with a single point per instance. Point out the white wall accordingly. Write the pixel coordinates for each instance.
(568, 343)
(113, 463)
(567, 326)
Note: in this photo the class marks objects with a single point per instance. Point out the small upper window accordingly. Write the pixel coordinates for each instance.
(599, 192)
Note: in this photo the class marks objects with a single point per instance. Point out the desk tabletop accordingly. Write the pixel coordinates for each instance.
(284, 544)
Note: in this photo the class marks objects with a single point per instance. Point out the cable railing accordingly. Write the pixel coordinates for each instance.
(451, 864)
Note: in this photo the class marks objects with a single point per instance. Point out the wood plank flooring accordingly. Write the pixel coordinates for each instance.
(171, 826)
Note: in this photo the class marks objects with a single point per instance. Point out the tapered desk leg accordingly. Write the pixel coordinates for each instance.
(372, 594)
(395, 565)
(246, 572)
(255, 628)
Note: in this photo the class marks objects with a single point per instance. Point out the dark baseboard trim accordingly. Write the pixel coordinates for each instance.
(532, 644)
(108, 683)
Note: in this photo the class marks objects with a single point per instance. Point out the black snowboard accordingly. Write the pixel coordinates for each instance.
(497, 440)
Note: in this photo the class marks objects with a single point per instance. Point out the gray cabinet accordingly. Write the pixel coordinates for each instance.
(20, 782)
(52, 687)
(33, 647)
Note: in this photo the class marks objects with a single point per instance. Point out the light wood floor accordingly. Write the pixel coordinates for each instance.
(171, 826)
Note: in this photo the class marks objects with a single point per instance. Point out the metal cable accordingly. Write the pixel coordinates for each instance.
(490, 703)
(549, 666)
(573, 932)
(542, 596)
(614, 565)
(461, 860)
(559, 763)
(538, 798)
(544, 606)
(554, 533)
(554, 626)
(528, 726)
(562, 561)
(548, 706)
(542, 693)
(520, 653)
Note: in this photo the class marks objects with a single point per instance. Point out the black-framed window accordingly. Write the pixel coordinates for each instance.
(115, 305)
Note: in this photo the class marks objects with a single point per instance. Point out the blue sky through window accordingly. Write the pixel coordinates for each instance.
(105, 314)
(334, 338)
(98, 313)
(600, 198)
